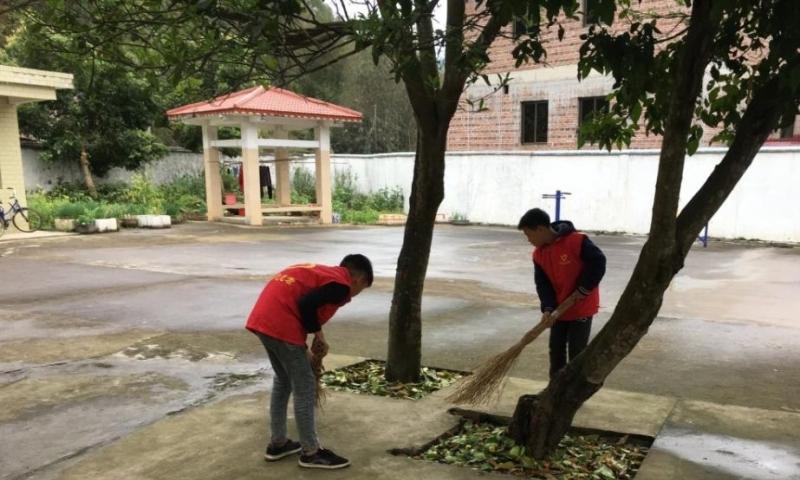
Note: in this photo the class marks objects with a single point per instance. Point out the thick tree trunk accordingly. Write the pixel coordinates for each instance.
(405, 317)
(87, 172)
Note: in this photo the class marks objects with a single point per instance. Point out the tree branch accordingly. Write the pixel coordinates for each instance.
(690, 66)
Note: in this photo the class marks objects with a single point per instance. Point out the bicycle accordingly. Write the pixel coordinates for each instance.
(24, 219)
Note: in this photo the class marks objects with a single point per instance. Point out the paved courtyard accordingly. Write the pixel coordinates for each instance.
(124, 356)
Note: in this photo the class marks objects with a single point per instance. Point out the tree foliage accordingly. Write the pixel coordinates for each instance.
(108, 114)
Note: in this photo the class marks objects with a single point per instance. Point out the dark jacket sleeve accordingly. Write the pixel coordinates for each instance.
(544, 288)
(594, 266)
(330, 293)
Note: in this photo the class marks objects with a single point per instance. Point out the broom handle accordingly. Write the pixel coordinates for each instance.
(565, 305)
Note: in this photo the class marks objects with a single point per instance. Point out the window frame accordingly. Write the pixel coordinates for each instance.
(594, 100)
(536, 104)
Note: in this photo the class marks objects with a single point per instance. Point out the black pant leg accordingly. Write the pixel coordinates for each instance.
(558, 346)
(578, 336)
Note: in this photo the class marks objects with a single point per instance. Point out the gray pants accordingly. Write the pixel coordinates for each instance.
(293, 374)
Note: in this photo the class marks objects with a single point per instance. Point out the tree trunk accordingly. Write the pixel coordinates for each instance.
(87, 172)
(405, 317)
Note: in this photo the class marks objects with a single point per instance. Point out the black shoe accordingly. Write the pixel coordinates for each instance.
(324, 458)
(276, 453)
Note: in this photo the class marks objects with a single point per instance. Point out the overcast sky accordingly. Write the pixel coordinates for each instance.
(357, 6)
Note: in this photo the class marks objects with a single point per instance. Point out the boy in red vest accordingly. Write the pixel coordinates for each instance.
(297, 302)
(565, 263)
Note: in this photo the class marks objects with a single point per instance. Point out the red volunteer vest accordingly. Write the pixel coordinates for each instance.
(561, 261)
(276, 313)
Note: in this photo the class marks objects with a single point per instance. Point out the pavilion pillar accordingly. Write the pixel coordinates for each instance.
(212, 175)
(252, 183)
(323, 172)
(283, 181)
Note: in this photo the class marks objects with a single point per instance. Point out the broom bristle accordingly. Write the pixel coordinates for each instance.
(318, 369)
(487, 381)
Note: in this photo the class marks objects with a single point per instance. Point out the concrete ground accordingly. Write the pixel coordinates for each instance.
(123, 355)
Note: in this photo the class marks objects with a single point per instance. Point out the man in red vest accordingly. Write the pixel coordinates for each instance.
(565, 263)
(294, 303)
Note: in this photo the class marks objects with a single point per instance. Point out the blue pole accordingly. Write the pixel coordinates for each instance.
(558, 205)
(705, 236)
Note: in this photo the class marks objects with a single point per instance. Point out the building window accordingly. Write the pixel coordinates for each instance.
(590, 12)
(534, 122)
(588, 106)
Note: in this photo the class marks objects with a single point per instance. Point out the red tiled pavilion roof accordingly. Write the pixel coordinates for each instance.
(267, 101)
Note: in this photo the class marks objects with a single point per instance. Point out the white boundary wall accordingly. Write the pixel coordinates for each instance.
(610, 191)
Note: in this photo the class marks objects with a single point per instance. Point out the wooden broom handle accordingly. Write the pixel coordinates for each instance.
(565, 305)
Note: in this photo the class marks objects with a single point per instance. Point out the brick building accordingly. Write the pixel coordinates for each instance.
(542, 105)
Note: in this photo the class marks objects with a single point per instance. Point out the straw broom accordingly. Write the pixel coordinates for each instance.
(487, 380)
(317, 354)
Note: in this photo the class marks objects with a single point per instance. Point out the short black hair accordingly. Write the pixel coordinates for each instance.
(355, 262)
(535, 217)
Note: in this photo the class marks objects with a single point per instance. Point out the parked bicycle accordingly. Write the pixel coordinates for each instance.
(23, 218)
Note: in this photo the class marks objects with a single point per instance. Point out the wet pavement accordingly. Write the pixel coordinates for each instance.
(104, 336)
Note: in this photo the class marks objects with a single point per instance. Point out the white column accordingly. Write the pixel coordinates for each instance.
(323, 172)
(283, 182)
(213, 177)
(252, 185)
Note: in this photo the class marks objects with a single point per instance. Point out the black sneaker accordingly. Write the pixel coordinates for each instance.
(276, 453)
(324, 458)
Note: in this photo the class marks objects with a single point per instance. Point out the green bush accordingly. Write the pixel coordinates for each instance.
(143, 192)
(360, 216)
(84, 219)
(69, 209)
(46, 208)
(183, 196)
(357, 207)
(387, 200)
(304, 186)
(193, 185)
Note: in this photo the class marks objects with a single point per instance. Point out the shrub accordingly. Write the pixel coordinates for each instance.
(143, 192)
(387, 200)
(304, 186)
